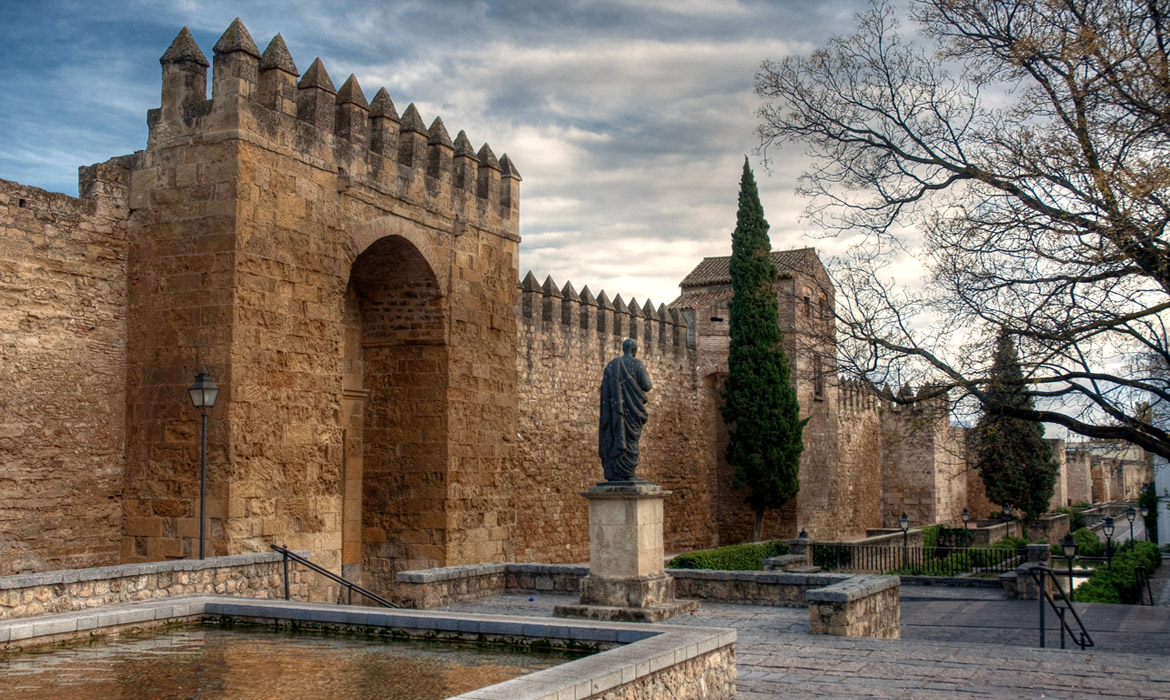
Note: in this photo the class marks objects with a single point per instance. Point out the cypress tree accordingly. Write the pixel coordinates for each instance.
(760, 406)
(1014, 460)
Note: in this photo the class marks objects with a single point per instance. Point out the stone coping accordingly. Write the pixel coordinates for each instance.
(852, 589)
(644, 649)
(101, 573)
(779, 562)
(451, 573)
(790, 578)
(953, 581)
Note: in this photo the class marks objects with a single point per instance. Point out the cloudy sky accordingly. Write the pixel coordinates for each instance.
(628, 119)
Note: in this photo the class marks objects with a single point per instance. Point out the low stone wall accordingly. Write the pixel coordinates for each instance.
(862, 606)
(989, 532)
(779, 588)
(245, 575)
(435, 588)
(1050, 528)
(426, 589)
(784, 562)
(632, 661)
(887, 537)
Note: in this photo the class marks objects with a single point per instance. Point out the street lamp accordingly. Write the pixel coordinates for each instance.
(904, 523)
(1130, 514)
(203, 393)
(1069, 548)
(966, 516)
(1107, 528)
(1145, 514)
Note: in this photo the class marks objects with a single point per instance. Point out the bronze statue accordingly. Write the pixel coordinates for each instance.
(623, 413)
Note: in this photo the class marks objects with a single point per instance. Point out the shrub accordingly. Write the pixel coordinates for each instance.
(1088, 544)
(1118, 583)
(1076, 519)
(930, 535)
(736, 557)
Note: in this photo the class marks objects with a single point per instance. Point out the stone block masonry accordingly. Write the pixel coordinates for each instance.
(347, 275)
(62, 382)
(565, 339)
(861, 606)
(391, 400)
(246, 575)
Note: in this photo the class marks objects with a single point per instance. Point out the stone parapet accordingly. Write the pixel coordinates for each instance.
(785, 562)
(862, 606)
(247, 575)
(434, 588)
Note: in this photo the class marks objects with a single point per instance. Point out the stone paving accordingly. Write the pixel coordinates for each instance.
(950, 649)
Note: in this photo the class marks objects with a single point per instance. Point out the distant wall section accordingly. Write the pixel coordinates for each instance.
(565, 340)
(62, 387)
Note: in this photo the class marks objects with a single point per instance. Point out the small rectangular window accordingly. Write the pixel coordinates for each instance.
(818, 378)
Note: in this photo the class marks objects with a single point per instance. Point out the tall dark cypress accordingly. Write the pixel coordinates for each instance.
(760, 406)
(1014, 460)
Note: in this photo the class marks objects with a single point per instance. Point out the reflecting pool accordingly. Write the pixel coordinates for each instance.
(258, 663)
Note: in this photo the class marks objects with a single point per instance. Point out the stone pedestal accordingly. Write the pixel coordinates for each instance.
(626, 578)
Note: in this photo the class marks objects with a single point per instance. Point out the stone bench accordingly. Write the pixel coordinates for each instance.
(860, 606)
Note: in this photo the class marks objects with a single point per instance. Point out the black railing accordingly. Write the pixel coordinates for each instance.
(1143, 584)
(916, 560)
(347, 587)
(1080, 636)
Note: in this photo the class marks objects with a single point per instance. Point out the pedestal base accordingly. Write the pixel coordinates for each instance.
(626, 579)
(611, 613)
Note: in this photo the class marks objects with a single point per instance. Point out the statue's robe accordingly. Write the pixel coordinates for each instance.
(623, 413)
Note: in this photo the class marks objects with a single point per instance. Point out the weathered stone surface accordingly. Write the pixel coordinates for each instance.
(863, 606)
(249, 575)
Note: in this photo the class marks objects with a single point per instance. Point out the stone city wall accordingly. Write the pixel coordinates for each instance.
(859, 455)
(243, 575)
(566, 338)
(265, 223)
(62, 347)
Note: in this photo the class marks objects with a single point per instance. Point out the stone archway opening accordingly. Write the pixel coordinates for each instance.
(394, 415)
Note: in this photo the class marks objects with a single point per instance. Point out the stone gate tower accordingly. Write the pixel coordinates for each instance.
(348, 276)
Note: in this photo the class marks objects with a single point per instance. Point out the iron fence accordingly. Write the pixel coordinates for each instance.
(916, 560)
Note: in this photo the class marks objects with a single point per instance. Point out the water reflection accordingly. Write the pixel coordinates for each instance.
(250, 664)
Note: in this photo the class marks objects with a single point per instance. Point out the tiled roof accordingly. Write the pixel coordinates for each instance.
(718, 270)
(701, 300)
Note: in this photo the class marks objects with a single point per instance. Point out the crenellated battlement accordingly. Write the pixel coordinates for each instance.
(257, 97)
(854, 395)
(547, 307)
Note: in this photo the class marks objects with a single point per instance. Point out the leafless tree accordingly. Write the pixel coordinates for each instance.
(1018, 152)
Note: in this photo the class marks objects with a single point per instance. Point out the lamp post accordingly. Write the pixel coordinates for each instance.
(904, 523)
(1068, 547)
(1130, 514)
(1107, 528)
(1145, 514)
(966, 516)
(203, 393)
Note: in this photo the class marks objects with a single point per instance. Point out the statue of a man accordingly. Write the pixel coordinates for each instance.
(623, 413)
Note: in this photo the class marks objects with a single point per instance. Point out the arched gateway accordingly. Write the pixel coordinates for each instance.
(348, 276)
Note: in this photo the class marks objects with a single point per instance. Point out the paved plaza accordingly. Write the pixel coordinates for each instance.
(956, 643)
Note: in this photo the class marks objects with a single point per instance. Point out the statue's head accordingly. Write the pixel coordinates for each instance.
(630, 347)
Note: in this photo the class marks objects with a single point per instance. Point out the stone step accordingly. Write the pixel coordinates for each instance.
(804, 570)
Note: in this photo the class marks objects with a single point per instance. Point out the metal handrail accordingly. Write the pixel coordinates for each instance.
(349, 585)
(1038, 573)
(1143, 582)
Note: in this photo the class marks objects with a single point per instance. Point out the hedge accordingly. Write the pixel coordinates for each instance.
(1118, 582)
(736, 557)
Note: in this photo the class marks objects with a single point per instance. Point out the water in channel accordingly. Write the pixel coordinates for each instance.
(259, 664)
